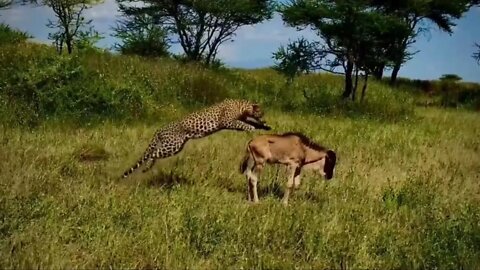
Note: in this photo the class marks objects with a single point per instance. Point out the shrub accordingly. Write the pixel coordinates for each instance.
(58, 86)
(38, 84)
(321, 95)
(446, 92)
(11, 36)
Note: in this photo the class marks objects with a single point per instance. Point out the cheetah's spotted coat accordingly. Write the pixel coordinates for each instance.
(230, 114)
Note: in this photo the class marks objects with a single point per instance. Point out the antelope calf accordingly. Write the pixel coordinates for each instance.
(292, 149)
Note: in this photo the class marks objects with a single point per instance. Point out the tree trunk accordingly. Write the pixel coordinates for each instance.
(69, 45)
(356, 84)
(348, 80)
(364, 89)
(396, 69)
(378, 72)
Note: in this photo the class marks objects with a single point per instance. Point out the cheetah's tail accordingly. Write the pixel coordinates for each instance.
(137, 165)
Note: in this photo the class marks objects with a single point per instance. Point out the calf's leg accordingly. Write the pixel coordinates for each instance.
(295, 172)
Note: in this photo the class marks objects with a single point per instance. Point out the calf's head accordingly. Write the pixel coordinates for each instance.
(329, 164)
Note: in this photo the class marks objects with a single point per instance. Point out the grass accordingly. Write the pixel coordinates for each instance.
(405, 195)
(37, 85)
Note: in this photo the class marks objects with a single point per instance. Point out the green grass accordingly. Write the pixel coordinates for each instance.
(37, 85)
(405, 195)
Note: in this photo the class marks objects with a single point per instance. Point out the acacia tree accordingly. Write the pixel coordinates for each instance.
(298, 57)
(354, 35)
(419, 16)
(201, 26)
(450, 77)
(140, 35)
(69, 22)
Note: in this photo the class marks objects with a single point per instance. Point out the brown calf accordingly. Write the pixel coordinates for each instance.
(294, 150)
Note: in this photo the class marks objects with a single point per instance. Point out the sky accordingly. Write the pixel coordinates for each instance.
(439, 53)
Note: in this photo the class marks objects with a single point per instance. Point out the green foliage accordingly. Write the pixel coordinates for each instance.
(404, 194)
(442, 93)
(419, 16)
(450, 78)
(297, 58)
(319, 95)
(38, 85)
(87, 40)
(448, 84)
(11, 36)
(141, 36)
(70, 24)
(201, 26)
(355, 35)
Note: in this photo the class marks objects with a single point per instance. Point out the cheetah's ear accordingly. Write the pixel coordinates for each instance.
(256, 107)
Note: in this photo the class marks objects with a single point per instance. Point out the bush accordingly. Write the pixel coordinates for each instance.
(320, 94)
(446, 92)
(141, 36)
(48, 85)
(37, 84)
(11, 36)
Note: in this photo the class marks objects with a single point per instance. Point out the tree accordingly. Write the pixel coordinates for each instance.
(86, 39)
(9, 35)
(296, 58)
(69, 23)
(201, 26)
(449, 89)
(476, 55)
(450, 78)
(355, 36)
(140, 35)
(419, 16)
(4, 3)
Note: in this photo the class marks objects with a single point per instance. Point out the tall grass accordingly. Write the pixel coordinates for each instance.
(442, 93)
(39, 85)
(405, 195)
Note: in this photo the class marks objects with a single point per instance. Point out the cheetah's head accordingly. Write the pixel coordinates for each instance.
(252, 115)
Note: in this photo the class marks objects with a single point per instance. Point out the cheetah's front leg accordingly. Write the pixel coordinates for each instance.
(239, 125)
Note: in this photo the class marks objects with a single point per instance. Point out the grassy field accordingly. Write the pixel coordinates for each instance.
(405, 195)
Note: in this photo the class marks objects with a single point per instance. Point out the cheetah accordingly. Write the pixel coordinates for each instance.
(232, 114)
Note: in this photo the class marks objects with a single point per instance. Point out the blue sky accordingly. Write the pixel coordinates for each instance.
(440, 53)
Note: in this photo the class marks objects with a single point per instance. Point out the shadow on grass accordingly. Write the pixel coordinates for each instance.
(314, 197)
(274, 189)
(168, 180)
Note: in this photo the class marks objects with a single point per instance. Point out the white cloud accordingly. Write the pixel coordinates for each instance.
(272, 31)
(106, 11)
(254, 44)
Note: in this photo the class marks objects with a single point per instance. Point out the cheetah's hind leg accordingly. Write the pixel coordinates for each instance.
(164, 149)
(136, 166)
(149, 164)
